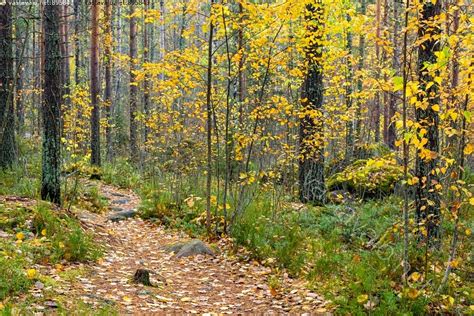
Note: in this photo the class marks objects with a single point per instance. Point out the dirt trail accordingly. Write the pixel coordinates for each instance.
(199, 284)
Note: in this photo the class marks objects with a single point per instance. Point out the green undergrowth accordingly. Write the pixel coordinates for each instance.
(38, 234)
(121, 173)
(351, 252)
(64, 307)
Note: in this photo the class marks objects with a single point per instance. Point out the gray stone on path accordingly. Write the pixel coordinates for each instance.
(121, 202)
(118, 194)
(190, 248)
(123, 215)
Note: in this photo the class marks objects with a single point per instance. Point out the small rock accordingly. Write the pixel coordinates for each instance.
(4, 234)
(191, 248)
(117, 194)
(143, 292)
(39, 285)
(51, 304)
(120, 216)
(121, 202)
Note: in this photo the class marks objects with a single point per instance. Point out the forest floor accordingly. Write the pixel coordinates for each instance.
(199, 284)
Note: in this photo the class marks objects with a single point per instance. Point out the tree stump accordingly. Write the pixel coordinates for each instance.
(142, 276)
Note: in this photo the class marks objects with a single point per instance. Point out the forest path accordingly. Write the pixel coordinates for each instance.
(200, 284)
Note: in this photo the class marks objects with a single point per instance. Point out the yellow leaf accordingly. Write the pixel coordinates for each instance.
(361, 299)
(455, 263)
(31, 273)
(127, 299)
(413, 293)
(471, 201)
(468, 232)
(20, 236)
(451, 300)
(43, 232)
(415, 276)
(469, 150)
(435, 108)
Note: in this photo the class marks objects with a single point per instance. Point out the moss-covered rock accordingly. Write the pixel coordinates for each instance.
(368, 178)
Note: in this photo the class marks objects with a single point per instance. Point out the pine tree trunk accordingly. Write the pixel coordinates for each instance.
(7, 114)
(209, 126)
(311, 163)
(360, 83)
(65, 51)
(50, 188)
(146, 84)
(77, 43)
(427, 201)
(108, 79)
(392, 130)
(95, 118)
(20, 67)
(376, 112)
(350, 76)
(133, 86)
(386, 106)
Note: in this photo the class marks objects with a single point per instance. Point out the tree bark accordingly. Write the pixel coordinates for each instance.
(94, 64)
(7, 114)
(311, 135)
(349, 78)
(209, 126)
(162, 51)
(108, 79)
(50, 188)
(133, 86)
(386, 106)
(392, 130)
(77, 43)
(376, 113)
(65, 50)
(360, 83)
(146, 84)
(427, 201)
(20, 48)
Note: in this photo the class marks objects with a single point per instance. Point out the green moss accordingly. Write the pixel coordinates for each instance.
(368, 177)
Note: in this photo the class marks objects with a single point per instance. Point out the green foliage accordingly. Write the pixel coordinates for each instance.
(368, 178)
(12, 278)
(90, 199)
(67, 238)
(158, 204)
(46, 234)
(269, 236)
(349, 253)
(121, 173)
(38, 234)
(21, 180)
